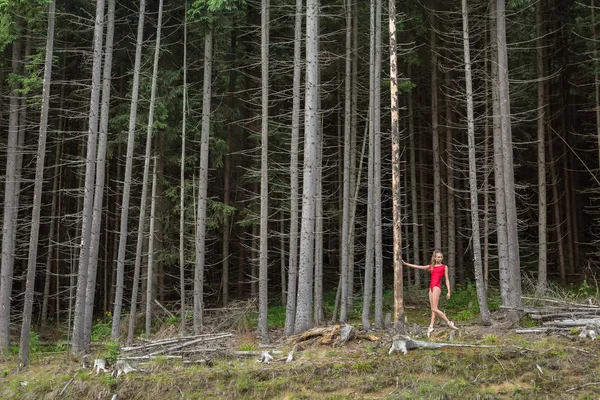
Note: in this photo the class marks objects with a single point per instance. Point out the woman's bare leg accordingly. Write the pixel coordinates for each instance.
(434, 297)
(432, 312)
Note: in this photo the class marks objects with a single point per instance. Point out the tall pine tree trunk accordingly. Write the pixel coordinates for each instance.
(437, 213)
(399, 318)
(203, 185)
(303, 320)
(100, 176)
(151, 238)
(182, 183)
(514, 270)
(79, 344)
(476, 237)
(263, 306)
(10, 205)
(135, 90)
(144, 195)
(37, 193)
(542, 283)
(345, 248)
(294, 198)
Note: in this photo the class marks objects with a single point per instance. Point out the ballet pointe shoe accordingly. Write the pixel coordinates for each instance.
(429, 331)
(451, 325)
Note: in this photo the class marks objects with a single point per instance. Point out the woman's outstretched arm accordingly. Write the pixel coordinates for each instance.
(415, 266)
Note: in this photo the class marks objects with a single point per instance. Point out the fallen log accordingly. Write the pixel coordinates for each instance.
(574, 323)
(404, 343)
(540, 316)
(336, 335)
(561, 302)
(253, 352)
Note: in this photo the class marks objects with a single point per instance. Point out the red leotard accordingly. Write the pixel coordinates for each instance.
(436, 276)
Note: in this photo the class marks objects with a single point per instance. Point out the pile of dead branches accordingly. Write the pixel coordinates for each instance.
(194, 347)
(556, 316)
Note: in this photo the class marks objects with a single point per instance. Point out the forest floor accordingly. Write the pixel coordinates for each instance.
(510, 366)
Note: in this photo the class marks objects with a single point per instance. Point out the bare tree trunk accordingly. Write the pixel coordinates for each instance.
(514, 270)
(377, 174)
(293, 245)
(557, 217)
(413, 186)
(370, 239)
(10, 205)
(118, 305)
(450, 191)
(144, 195)
(203, 185)
(345, 248)
(149, 275)
(52, 228)
(399, 317)
(311, 118)
(182, 183)
(501, 232)
(486, 167)
(100, 177)
(227, 228)
(318, 279)
(437, 217)
(282, 259)
(263, 306)
(542, 283)
(596, 77)
(79, 344)
(476, 238)
(37, 193)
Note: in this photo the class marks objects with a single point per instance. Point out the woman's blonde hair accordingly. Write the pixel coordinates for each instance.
(432, 263)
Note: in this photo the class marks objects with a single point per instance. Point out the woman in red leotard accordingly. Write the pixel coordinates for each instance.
(437, 270)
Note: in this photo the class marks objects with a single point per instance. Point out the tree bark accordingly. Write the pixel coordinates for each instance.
(182, 187)
(151, 238)
(144, 194)
(118, 305)
(399, 318)
(542, 282)
(437, 217)
(305, 269)
(295, 135)
(476, 238)
(37, 193)
(100, 177)
(203, 185)
(79, 345)
(263, 306)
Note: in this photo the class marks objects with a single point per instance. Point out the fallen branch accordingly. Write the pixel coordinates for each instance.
(253, 352)
(164, 309)
(403, 343)
(147, 357)
(65, 387)
(582, 386)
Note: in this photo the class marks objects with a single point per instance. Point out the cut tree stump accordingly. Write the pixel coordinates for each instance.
(122, 367)
(99, 366)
